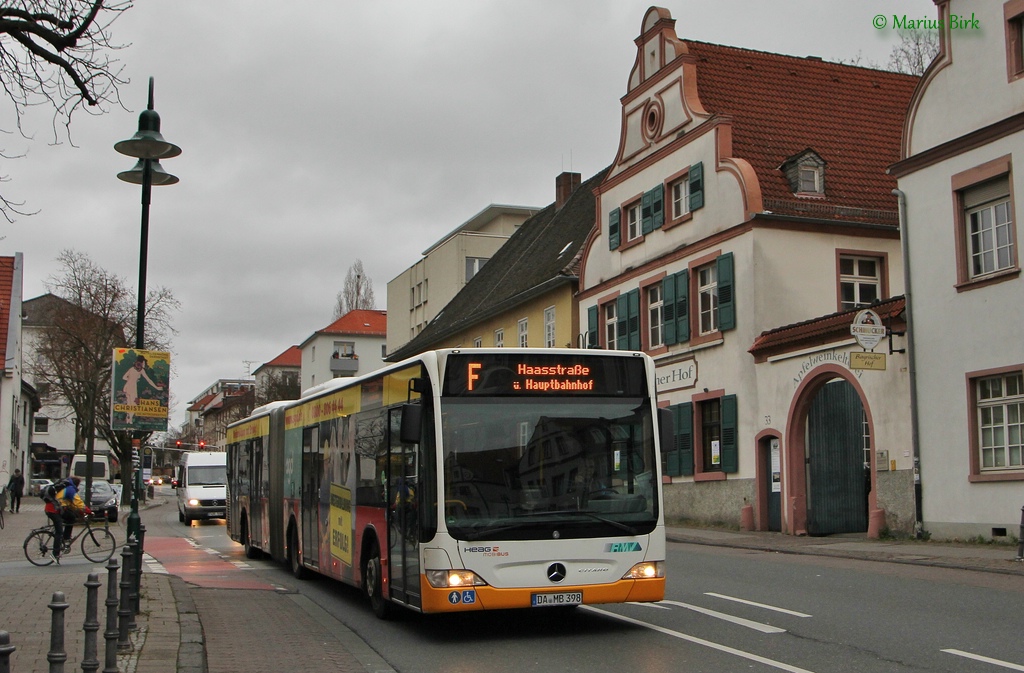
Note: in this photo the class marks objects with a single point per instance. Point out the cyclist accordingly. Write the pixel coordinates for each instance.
(63, 512)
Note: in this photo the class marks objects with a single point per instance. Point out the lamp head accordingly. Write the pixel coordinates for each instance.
(158, 176)
(147, 143)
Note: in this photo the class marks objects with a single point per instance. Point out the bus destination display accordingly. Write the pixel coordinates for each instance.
(503, 375)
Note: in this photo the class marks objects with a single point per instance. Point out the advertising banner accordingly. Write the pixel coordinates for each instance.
(139, 390)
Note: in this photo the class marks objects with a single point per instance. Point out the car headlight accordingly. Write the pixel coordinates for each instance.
(443, 579)
(193, 502)
(646, 570)
(109, 503)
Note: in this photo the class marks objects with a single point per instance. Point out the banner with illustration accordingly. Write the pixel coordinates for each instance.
(139, 390)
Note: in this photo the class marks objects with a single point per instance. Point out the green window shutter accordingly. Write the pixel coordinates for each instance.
(730, 450)
(633, 318)
(668, 310)
(622, 322)
(592, 318)
(684, 437)
(696, 186)
(613, 229)
(658, 206)
(726, 295)
(682, 310)
(646, 219)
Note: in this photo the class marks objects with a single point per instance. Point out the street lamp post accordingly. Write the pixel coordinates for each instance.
(148, 146)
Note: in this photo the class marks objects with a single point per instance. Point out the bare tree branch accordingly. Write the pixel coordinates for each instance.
(357, 292)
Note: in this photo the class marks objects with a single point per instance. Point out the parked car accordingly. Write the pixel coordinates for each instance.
(36, 486)
(105, 499)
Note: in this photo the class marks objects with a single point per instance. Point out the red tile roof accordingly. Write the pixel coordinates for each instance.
(6, 288)
(782, 105)
(823, 330)
(201, 403)
(290, 358)
(359, 322)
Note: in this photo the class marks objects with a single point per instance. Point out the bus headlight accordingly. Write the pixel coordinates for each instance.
(444, 579)
(646, 570)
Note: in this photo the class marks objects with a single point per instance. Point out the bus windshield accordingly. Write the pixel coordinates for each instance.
(532, 468)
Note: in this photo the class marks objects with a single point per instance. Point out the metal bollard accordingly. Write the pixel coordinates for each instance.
(57, 656)
(6, 650)
(124, 612)
(136, 606)
(131, 569)
(90, 664)
(110, 635)
(1020, 537)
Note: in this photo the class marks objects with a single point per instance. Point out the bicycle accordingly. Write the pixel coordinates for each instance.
(3, 505)
(97, 542)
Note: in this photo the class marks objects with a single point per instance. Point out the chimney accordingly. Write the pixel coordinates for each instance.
(565, 185)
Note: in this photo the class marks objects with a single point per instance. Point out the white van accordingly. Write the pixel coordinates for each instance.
(202, 486)
(100, 466)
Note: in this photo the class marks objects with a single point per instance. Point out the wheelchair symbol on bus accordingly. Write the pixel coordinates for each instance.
(467, 597)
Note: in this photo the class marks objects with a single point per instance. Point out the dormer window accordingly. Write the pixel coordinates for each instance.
(805, 173)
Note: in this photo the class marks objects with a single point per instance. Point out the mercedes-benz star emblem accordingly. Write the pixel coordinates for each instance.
(556, 572)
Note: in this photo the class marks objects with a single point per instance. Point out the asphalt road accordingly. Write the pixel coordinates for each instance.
(726, 610)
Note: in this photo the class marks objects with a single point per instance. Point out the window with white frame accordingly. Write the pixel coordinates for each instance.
(655, 305)
(860, 281)
(990, 243)
(523, 333)
(499, 338)
(1000, 417)
(809, 180)
(633, 221)
(611, 333)
(473, 266)
(549, 327)
(680, 194)
(478, 342)
(707, 294)
(41, 425)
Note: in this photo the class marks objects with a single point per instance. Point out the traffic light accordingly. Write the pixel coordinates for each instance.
(202, 444)
(178, 443)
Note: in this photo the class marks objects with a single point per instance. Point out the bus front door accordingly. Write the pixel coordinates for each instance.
(312, 465)
(403, 519)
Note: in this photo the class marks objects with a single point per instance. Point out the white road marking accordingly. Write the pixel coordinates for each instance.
(757, 605)
(757, 626)
(700, 641)
(987, 660)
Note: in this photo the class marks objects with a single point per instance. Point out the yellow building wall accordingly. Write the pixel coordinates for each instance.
(566, 323)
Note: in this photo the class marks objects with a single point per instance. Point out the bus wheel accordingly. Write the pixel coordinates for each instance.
(294, 560)
(250, 551)
(373, 582)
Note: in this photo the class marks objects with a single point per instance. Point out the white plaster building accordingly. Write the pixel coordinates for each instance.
(963, 136)
(745, 219)
(350, 346)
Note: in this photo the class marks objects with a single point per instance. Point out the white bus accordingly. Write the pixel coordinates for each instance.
(463, 480)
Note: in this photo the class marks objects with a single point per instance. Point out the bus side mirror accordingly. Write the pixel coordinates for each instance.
(666, 429)
(412, 419)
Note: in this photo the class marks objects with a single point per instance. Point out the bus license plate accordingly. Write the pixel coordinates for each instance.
(564, 598)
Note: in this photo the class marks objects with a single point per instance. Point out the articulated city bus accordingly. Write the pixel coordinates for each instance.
(463, 480)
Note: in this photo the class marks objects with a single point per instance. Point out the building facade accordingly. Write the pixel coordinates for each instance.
(525, 296)
(350, 346)
(18, 400)
(748, 196)
(964, 133)
(418, 294)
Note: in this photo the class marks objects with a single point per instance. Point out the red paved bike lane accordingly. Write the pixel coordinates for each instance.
(200, 567)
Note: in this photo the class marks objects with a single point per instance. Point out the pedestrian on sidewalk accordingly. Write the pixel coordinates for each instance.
(15, 488)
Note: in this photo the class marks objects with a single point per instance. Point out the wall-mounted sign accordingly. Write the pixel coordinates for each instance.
(867, 329)
(676, 376)
(874, 361)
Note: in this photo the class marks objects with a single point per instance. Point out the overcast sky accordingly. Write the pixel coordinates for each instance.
(347, 130)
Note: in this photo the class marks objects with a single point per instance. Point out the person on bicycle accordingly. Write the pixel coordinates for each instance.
(63, 512)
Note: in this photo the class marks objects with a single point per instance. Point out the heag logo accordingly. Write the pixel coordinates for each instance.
(486, 551)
